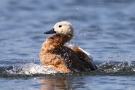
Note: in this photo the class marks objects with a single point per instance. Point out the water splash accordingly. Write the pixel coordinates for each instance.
(123, 68)
(116, 68)
(30, 69)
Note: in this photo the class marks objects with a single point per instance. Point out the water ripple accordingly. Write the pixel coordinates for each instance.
(31, 69)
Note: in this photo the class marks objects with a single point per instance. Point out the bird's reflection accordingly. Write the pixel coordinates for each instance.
(60, 83)
(54, 83)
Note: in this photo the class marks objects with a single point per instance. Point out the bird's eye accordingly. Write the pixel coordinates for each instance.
(60, 26)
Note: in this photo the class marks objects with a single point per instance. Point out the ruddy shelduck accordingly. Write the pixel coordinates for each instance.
(62, 57)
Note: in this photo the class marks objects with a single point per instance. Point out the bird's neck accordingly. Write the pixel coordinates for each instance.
(61, 39)
(54, 42)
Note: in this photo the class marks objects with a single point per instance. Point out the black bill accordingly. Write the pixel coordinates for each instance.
(50, 31)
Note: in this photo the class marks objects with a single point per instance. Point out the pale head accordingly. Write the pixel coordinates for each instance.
(62, 28)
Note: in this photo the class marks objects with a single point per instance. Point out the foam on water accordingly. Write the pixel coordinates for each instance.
(124, 68)
(31, 69)
(107, 68)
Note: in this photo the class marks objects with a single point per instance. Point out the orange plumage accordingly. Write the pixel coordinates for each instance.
(61, 57)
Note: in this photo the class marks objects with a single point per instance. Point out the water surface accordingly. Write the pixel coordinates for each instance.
(105, 29)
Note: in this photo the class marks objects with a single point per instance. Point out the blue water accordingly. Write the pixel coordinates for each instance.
(104, 28)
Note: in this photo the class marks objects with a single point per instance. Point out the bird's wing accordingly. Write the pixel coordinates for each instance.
(83, 56)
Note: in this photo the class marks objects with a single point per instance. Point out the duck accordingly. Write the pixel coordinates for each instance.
(62, 57)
